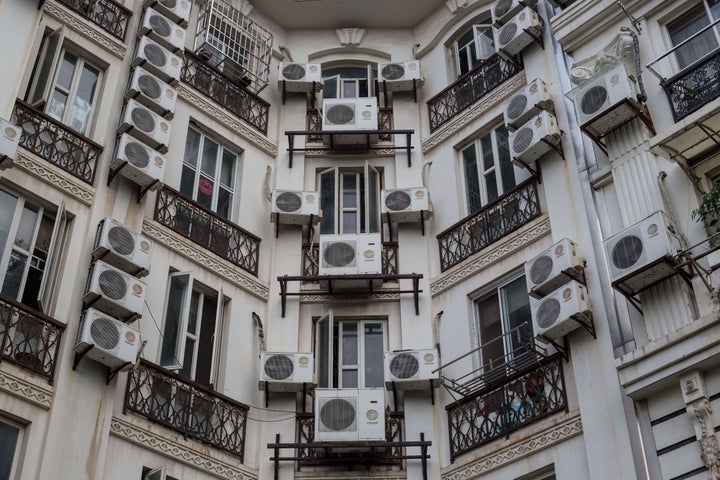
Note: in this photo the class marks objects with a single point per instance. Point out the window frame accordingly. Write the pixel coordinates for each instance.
(17, 452)
(715, 31)
(342, 76)
(368, 180)
(475, 49)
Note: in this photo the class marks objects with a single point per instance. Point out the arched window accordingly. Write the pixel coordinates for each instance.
(349, 82)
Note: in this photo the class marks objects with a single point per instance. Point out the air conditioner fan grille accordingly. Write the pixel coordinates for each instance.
(548, 312)
(593, 99)
(160, 26)
(137, 154)
(502, 7)
(393, 71)
(336, 415)
(522, 139)
(398, 201)
(507, 33)
(517, 106)
(104, 333)
(339, 254)
(155, 55)
(142, 119)
(121, 240)
(341, 114)
(112, 284)
(627, 252)
(404, 365)
(541, 269)
(279, 367)
(293, 72)
(149, 86)
(288, 202)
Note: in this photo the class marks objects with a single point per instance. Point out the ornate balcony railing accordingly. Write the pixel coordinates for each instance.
(187, 407)
(314, 123)
(106, 14)
(311, 259)
(212, 83)
(509, 212)
(207, 229)
(29, 338)
(494, 412)
(56, 143)
(470, 88)
(694, 87)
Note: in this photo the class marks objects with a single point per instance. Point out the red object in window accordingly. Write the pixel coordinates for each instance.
(205, 186)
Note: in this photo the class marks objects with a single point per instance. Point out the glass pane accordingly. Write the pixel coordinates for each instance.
(349, 89)
(38, 260)
(26, 228)
(204, 360)
(323, 359)
(82, 106)
(684, 27)
(472, 182)
(192, 318)
(330, 87)
(516, 306)
(714, 9)
(209, 157)
(349, 344)
(490, 331)
(45, 65)
(10, 436)
(224, 203)
(373, 202)
(374, 350)
(349, 222)
(507, 171)
(187, 181)
(8, 203)
(327, 202)
(14, 274)
(56, 109)
(349, 190)
(491, 186)
(66, 70)
(173, 319)
(349, 379)
(363, 88)
(192, 144)
(205, 192)
(484, 41)
(227, 170)
(186, 370)
(488, 159)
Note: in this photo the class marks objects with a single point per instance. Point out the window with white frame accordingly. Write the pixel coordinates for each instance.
(11, 435)
(193, 322)
(690, 23)
(65, 84)
(348, 82)
(473, 46)
(156, 474)
(350, 200)
(208, 173)
(349, 352)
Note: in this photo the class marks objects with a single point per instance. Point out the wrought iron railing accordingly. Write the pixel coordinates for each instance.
(492, 222)
(187, 407)
(29, 338)
(207, 229)
(470, 88)
(212, 83)
(106, 14)
(694, 87)
(524, 397)
(311, 259)
(56, 143)
(314, 123)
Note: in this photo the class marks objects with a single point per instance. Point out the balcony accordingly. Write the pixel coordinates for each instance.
(207, 229)
(106, 14)
(214, 84)
(314, 124)
(694, 87)
(492, 222)
(187, 407)
(57, 143)
(471, 87)
(311, 259)
(29, 338)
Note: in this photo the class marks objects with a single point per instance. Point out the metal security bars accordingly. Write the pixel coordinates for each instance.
(471, 87)
(311, 259)
(106, 14)
(187, 407)
(207, 229)
(509, 212)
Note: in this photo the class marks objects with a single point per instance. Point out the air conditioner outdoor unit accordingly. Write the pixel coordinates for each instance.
(162, 30)
(527, 103)
(293, 207)
(114, 292)
(561, 311)
(406, 204)
(176, 10)
(553, 268)
(157, 60)
(152, 92)
(411, 369)
(113, 342)
(286, 372)
(145, 125)
(607, 102)
(504, 10)
(534, 139)
(350, 115)
(123, 248)
(350, 254)
(139, 163)
(399, 76)
(299, 77)
(9, 141)
(643, 254)
(518, 32)
(348, 415)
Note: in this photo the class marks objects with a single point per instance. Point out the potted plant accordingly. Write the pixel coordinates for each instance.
(709, 214)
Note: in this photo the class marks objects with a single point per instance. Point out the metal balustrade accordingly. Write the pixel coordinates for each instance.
(694, 87)
(314, 124)
(207, 229)
(106, 14)
(311, 259)
(187, 407)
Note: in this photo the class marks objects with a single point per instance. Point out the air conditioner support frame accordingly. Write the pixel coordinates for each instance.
(305, 389)
(643, 114)
(113, 173)
(284, 91)
(564, 349)
(423, 215)
(570, 274)
(384, 89)
(111, 372)
(588, 325)
(630, 294)
(431, 387)
(313, 218)
(557, 148)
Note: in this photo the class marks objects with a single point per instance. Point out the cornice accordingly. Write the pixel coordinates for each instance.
(85, 28)
(41, 396)
(52, 175)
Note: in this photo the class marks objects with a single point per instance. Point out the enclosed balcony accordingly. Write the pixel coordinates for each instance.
(109, 15)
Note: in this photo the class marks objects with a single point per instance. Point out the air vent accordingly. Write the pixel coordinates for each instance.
(339, 254)
(123, 248)
(342, 114)
(519, 32)
(288, 202)
(152, 92)
(162, 30)
(522, 139)
(139, 163)
(393, 71)
(112, 284)
(627, 252)
(121, 240)
(337, 415)
(137, 155)
(295, 208)
(285, 372)
(561, 311)
(507, 33)
(517, 105)
(411, 369)
(554, 267)
(146, 126)
(548, 312)
(104, 333)
(294, 71)
(107, 341)
(502, 7)
(279, 367)
(157, 60)
(9, 140)
(406, 205)
(541, 269)
(117, 293)
(534, 139)
(398, 200)
(399, 76)
(404, 365)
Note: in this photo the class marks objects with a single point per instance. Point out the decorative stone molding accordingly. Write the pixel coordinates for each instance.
(620, 48)
(544, 439)
(39, 395)
(86, 29)
(478, 109)
(350, 37)
(181, 452)
(454, 5)
(375, 152)
(372, 475)
(698, 406)
(45, 171)
(206, 260)
(230, 121)
(375, 297)
(494, 253)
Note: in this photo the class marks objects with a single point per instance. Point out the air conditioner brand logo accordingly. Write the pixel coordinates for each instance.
(175, 62)
(615, 79)
(366, 114)
(313, 68)
(429, 358)
(159, 161)
(137, 290)
(372, 415)
(538, 122)
(164, 126)
(559, 250)
(11, 133)
(170, 93)
(567, 294)
(533, 88)
(303, 361)
(420, 194)
(522, 17)
(369, 254)
(130, 338)
(310, 197)
(652, 229)
(145, 246)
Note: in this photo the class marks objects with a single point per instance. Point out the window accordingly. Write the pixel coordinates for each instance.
(156, 474)
(193, 321)
(11, 434)
(488, 169)
(208, 173)
(472, 47)
(690, 23)
(349, 352)
(348, 82)
(65, 84)
(350, 200)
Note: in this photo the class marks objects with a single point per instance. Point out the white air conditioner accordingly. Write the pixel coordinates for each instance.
(114, 292)
(553, 268)
(411, 369)
(399, 76)
(504, 10)
(111, 342)
(350, 115)
(123, 248)
(176, 10)
(527, 103)
(158, 60)
(293, 207)
(561, 311)
(606, 102)
(643, 254)
(348, 415)
(162, 30)
(534, 139)
(350, 254)
(299, 77)
(139, 163)
(9, 141)
(145, 125)
(286, 372)
(152, 92)
(518, 32)
(406, 204)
